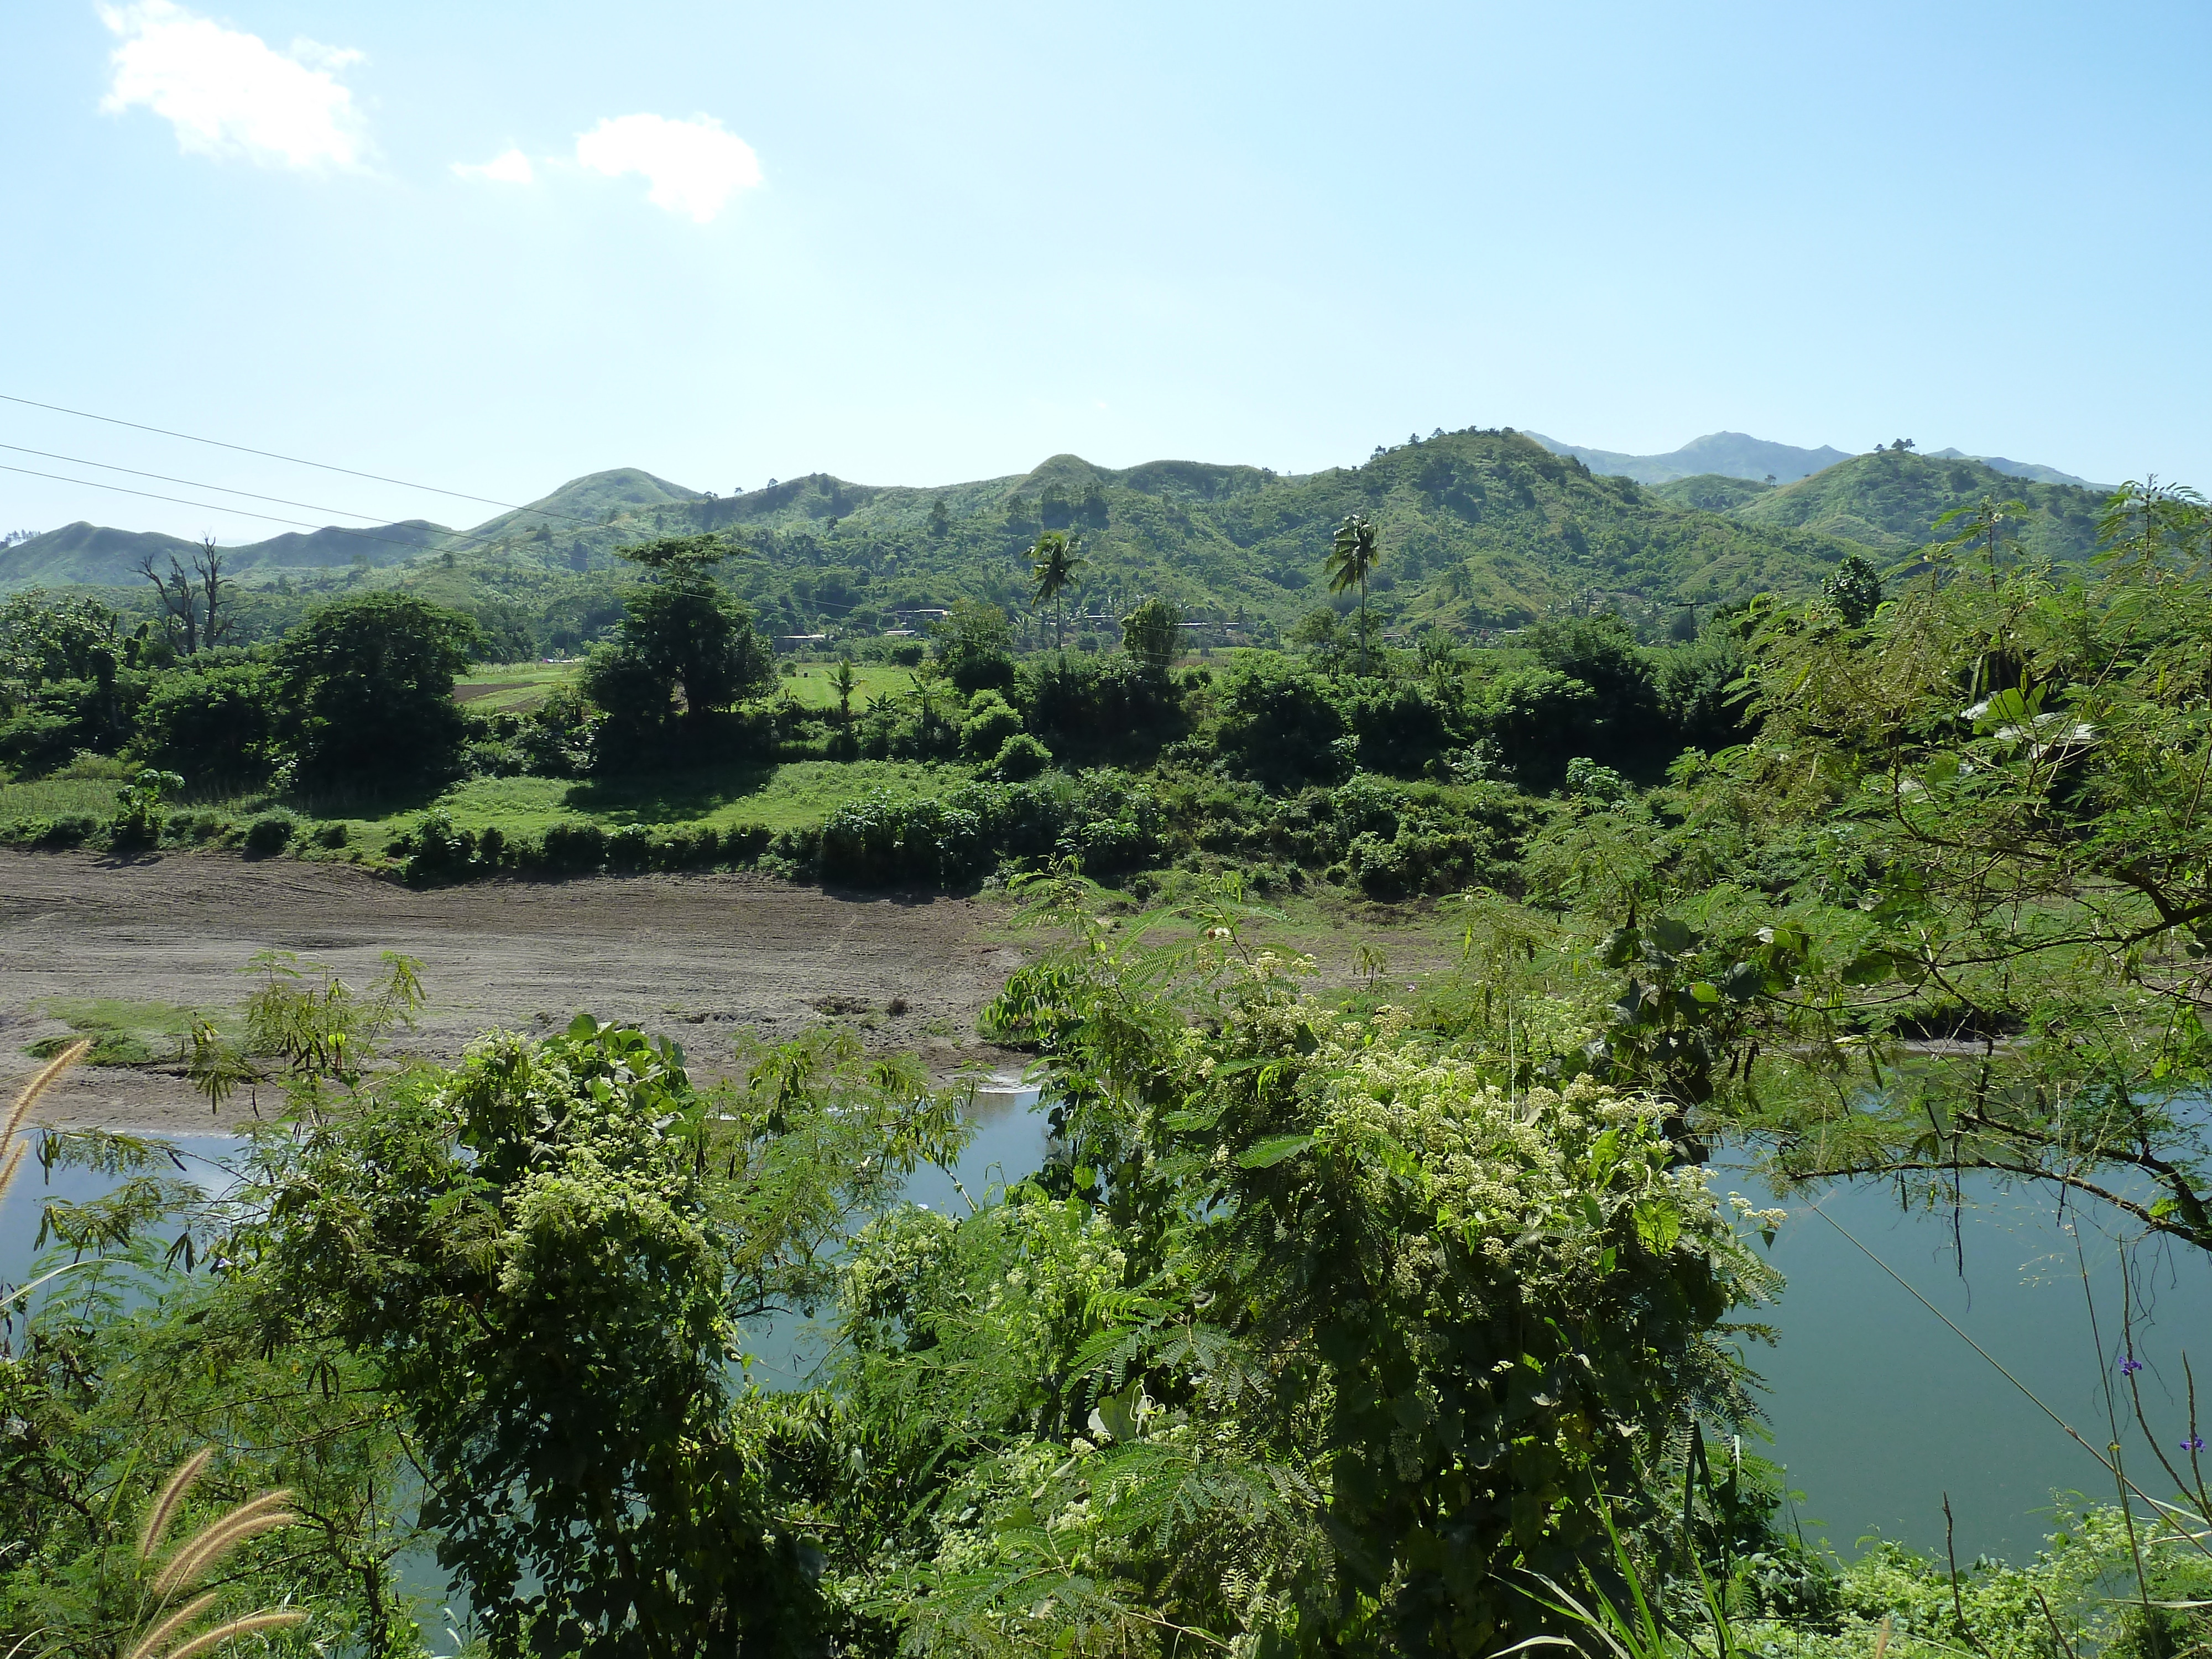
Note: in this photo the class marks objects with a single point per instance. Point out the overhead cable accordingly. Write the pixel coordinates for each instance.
(295, 460)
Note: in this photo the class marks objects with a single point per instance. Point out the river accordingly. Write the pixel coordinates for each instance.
(1878, 1410)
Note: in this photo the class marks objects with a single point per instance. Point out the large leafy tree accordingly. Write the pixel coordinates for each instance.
(975, 647)
(1152, 634)
(1353, 553)
(544, 1254)
(366, 684)
(687, 650)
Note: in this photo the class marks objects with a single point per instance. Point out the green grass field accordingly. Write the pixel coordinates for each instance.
(810, 685)
(778, 797)
(56, 798)
(510, 687)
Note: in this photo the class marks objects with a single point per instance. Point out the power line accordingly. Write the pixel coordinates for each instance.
(202, 484)
(214, 507)
(295, 460)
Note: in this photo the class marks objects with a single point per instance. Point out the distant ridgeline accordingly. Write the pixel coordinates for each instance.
(1480, 529)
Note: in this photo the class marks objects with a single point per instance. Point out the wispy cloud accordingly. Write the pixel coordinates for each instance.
(512, 168)
(691, 166)
(229, 94)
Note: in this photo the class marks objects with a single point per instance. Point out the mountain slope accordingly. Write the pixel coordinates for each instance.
(87, 553)
(83, 552)
(1890, 501)
(1478, 530)
(2028, 469)
(1731, 454)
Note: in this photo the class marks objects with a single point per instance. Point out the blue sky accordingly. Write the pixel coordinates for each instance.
(914, 244)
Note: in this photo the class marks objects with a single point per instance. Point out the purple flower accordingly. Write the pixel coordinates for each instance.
(2194, 1443)
(2129, 1367)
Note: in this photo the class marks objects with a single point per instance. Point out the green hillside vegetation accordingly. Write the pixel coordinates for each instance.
(1890, 500)
(1710, 492)
(1480, 530)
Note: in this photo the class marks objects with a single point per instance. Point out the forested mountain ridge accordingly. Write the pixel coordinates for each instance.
(1480, 530)
(1890, 500)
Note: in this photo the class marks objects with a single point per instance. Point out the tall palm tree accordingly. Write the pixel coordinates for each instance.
(1054, 567)
(843, 683)
(1351, 555)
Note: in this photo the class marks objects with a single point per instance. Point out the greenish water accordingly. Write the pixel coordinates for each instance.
(1877, 1410)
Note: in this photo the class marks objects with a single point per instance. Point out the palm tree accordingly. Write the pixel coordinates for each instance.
(842, 682)
(1053, 565)
(1351, 555)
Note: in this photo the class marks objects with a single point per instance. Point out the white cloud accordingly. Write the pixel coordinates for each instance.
(692, 165)
(512, 168)
(229, 93)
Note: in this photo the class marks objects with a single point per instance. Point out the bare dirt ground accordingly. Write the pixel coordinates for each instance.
(695, 957)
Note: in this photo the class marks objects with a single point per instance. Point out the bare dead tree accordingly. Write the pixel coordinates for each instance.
(179, 602)
(208, 565)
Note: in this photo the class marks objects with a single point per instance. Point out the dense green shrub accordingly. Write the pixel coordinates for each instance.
(991, 721)
(1281, 723)
(1628, 731)
(368, 689)
(880, 842)
(1090, 709)
(269, 834)
(1020, 757)
(214, 719)
(630, 848)
(140, 813)
(1539, 719)
(975, 647)
(573, 848)
(62, 719)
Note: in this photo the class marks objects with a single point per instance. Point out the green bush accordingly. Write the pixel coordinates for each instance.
(190, 828)
(214, 721)
(573, 848)
(879, 840)
(630, 848)
(139, 813)
(991, 721)
(269, 834)
(1020, 757)
(332, 835)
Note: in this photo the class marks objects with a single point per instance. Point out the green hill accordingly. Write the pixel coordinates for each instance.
(1890, 501)
(1480, 529)
(111, 558)
(1710, 492)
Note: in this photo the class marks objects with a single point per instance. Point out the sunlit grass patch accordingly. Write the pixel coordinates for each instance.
(122, 1033)
(55, 797)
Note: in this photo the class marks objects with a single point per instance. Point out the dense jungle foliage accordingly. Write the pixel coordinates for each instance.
(1322, 1328)
(1330, 1324)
